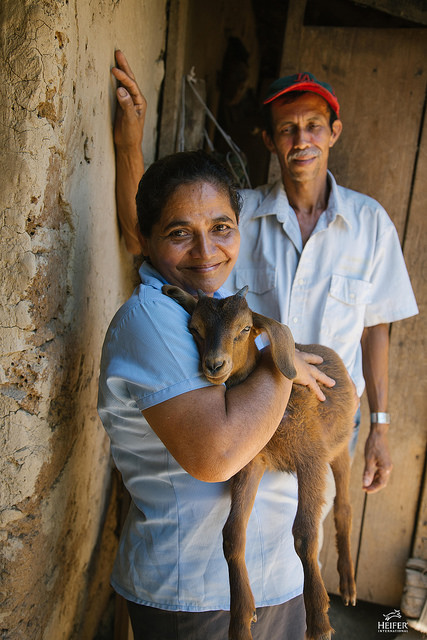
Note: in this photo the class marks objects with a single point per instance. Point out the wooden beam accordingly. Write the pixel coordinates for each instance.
(289, 63)
(175, 59)
(293, 36)
(420, 543)
(413, 10)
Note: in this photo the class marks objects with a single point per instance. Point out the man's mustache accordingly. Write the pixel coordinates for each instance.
(304, 153)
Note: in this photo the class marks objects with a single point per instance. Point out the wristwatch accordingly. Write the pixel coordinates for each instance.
(380, 417)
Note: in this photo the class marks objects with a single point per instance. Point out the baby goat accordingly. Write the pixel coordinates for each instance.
(311, 435)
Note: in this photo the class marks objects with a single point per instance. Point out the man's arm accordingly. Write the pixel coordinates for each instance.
(128, 134)
(378, 465)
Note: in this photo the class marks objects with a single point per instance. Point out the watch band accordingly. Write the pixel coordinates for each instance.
(380, 417)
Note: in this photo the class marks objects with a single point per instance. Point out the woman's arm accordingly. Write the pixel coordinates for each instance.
(128, 135)
(214, 432)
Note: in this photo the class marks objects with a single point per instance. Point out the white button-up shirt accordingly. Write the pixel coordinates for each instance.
(349, 275)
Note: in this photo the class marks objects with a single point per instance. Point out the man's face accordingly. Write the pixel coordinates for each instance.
(302, 137)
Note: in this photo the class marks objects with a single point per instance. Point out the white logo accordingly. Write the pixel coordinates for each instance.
(393, 614)
(390, 626)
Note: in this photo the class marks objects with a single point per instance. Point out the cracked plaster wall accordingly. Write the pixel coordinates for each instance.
(63, 273)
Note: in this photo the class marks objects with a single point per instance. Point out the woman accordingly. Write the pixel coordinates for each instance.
(177, 439)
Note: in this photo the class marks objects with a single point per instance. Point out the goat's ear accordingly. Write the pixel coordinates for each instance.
(242, 292)
(281, 341)
(180, 296)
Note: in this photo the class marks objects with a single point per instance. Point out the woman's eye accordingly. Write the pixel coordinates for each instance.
(178, 233)
(221, 227)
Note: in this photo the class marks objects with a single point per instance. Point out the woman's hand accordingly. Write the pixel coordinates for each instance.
(128, 134)
(130, 114)
(309, 375)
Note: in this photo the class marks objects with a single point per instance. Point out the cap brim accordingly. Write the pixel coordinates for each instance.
(311, 87)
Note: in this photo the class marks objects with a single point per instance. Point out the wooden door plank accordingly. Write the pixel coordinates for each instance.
(379, 77)
(392, 514)
(419, 549)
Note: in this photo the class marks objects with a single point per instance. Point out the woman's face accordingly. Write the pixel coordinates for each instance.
(196, 242)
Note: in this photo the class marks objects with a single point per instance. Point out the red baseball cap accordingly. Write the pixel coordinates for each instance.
(303, 82)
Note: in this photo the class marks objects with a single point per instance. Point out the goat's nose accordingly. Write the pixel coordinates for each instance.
(214, 365)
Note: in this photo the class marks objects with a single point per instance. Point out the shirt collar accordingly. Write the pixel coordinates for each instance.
(336, 205)
(276, 203)
(150, 276)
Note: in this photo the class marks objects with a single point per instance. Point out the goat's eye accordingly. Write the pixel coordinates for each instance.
(194, 331)
(244, 331)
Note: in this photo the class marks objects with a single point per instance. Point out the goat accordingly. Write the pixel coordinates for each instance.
(311, 435)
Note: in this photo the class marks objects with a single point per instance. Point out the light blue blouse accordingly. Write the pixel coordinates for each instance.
(170, 554)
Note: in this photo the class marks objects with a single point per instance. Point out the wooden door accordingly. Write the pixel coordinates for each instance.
(379, 76)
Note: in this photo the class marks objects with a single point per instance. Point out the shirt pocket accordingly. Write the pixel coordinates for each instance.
(344, 312)
(258, 280)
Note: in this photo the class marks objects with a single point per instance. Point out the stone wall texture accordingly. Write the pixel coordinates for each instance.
(63, 273)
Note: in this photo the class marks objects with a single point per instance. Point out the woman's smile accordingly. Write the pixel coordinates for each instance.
(202, 268)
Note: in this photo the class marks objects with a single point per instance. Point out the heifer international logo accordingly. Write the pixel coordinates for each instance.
(392, 622)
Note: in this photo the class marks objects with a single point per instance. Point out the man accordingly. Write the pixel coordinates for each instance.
(323, 259)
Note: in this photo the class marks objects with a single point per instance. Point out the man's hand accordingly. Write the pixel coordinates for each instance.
(309, 375)
(130, 113)
(378, 463)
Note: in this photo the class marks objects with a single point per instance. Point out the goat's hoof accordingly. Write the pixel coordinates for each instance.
(349, 600)
(348, 596)
(254, 616)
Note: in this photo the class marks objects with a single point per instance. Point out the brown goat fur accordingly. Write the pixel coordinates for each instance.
(311, 435)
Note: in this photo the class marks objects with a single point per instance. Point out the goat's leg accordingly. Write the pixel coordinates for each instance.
(244, 486)
(311, 487)
(342, 515)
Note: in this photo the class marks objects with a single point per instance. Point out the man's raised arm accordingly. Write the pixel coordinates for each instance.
(128, 134)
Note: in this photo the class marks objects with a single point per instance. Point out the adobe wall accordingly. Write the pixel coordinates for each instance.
(63, 273)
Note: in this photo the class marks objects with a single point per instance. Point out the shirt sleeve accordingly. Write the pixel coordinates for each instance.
(150, 356)
(392, 297)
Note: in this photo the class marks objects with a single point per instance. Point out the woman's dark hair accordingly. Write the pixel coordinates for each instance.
(163, 177)
(267, 123)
